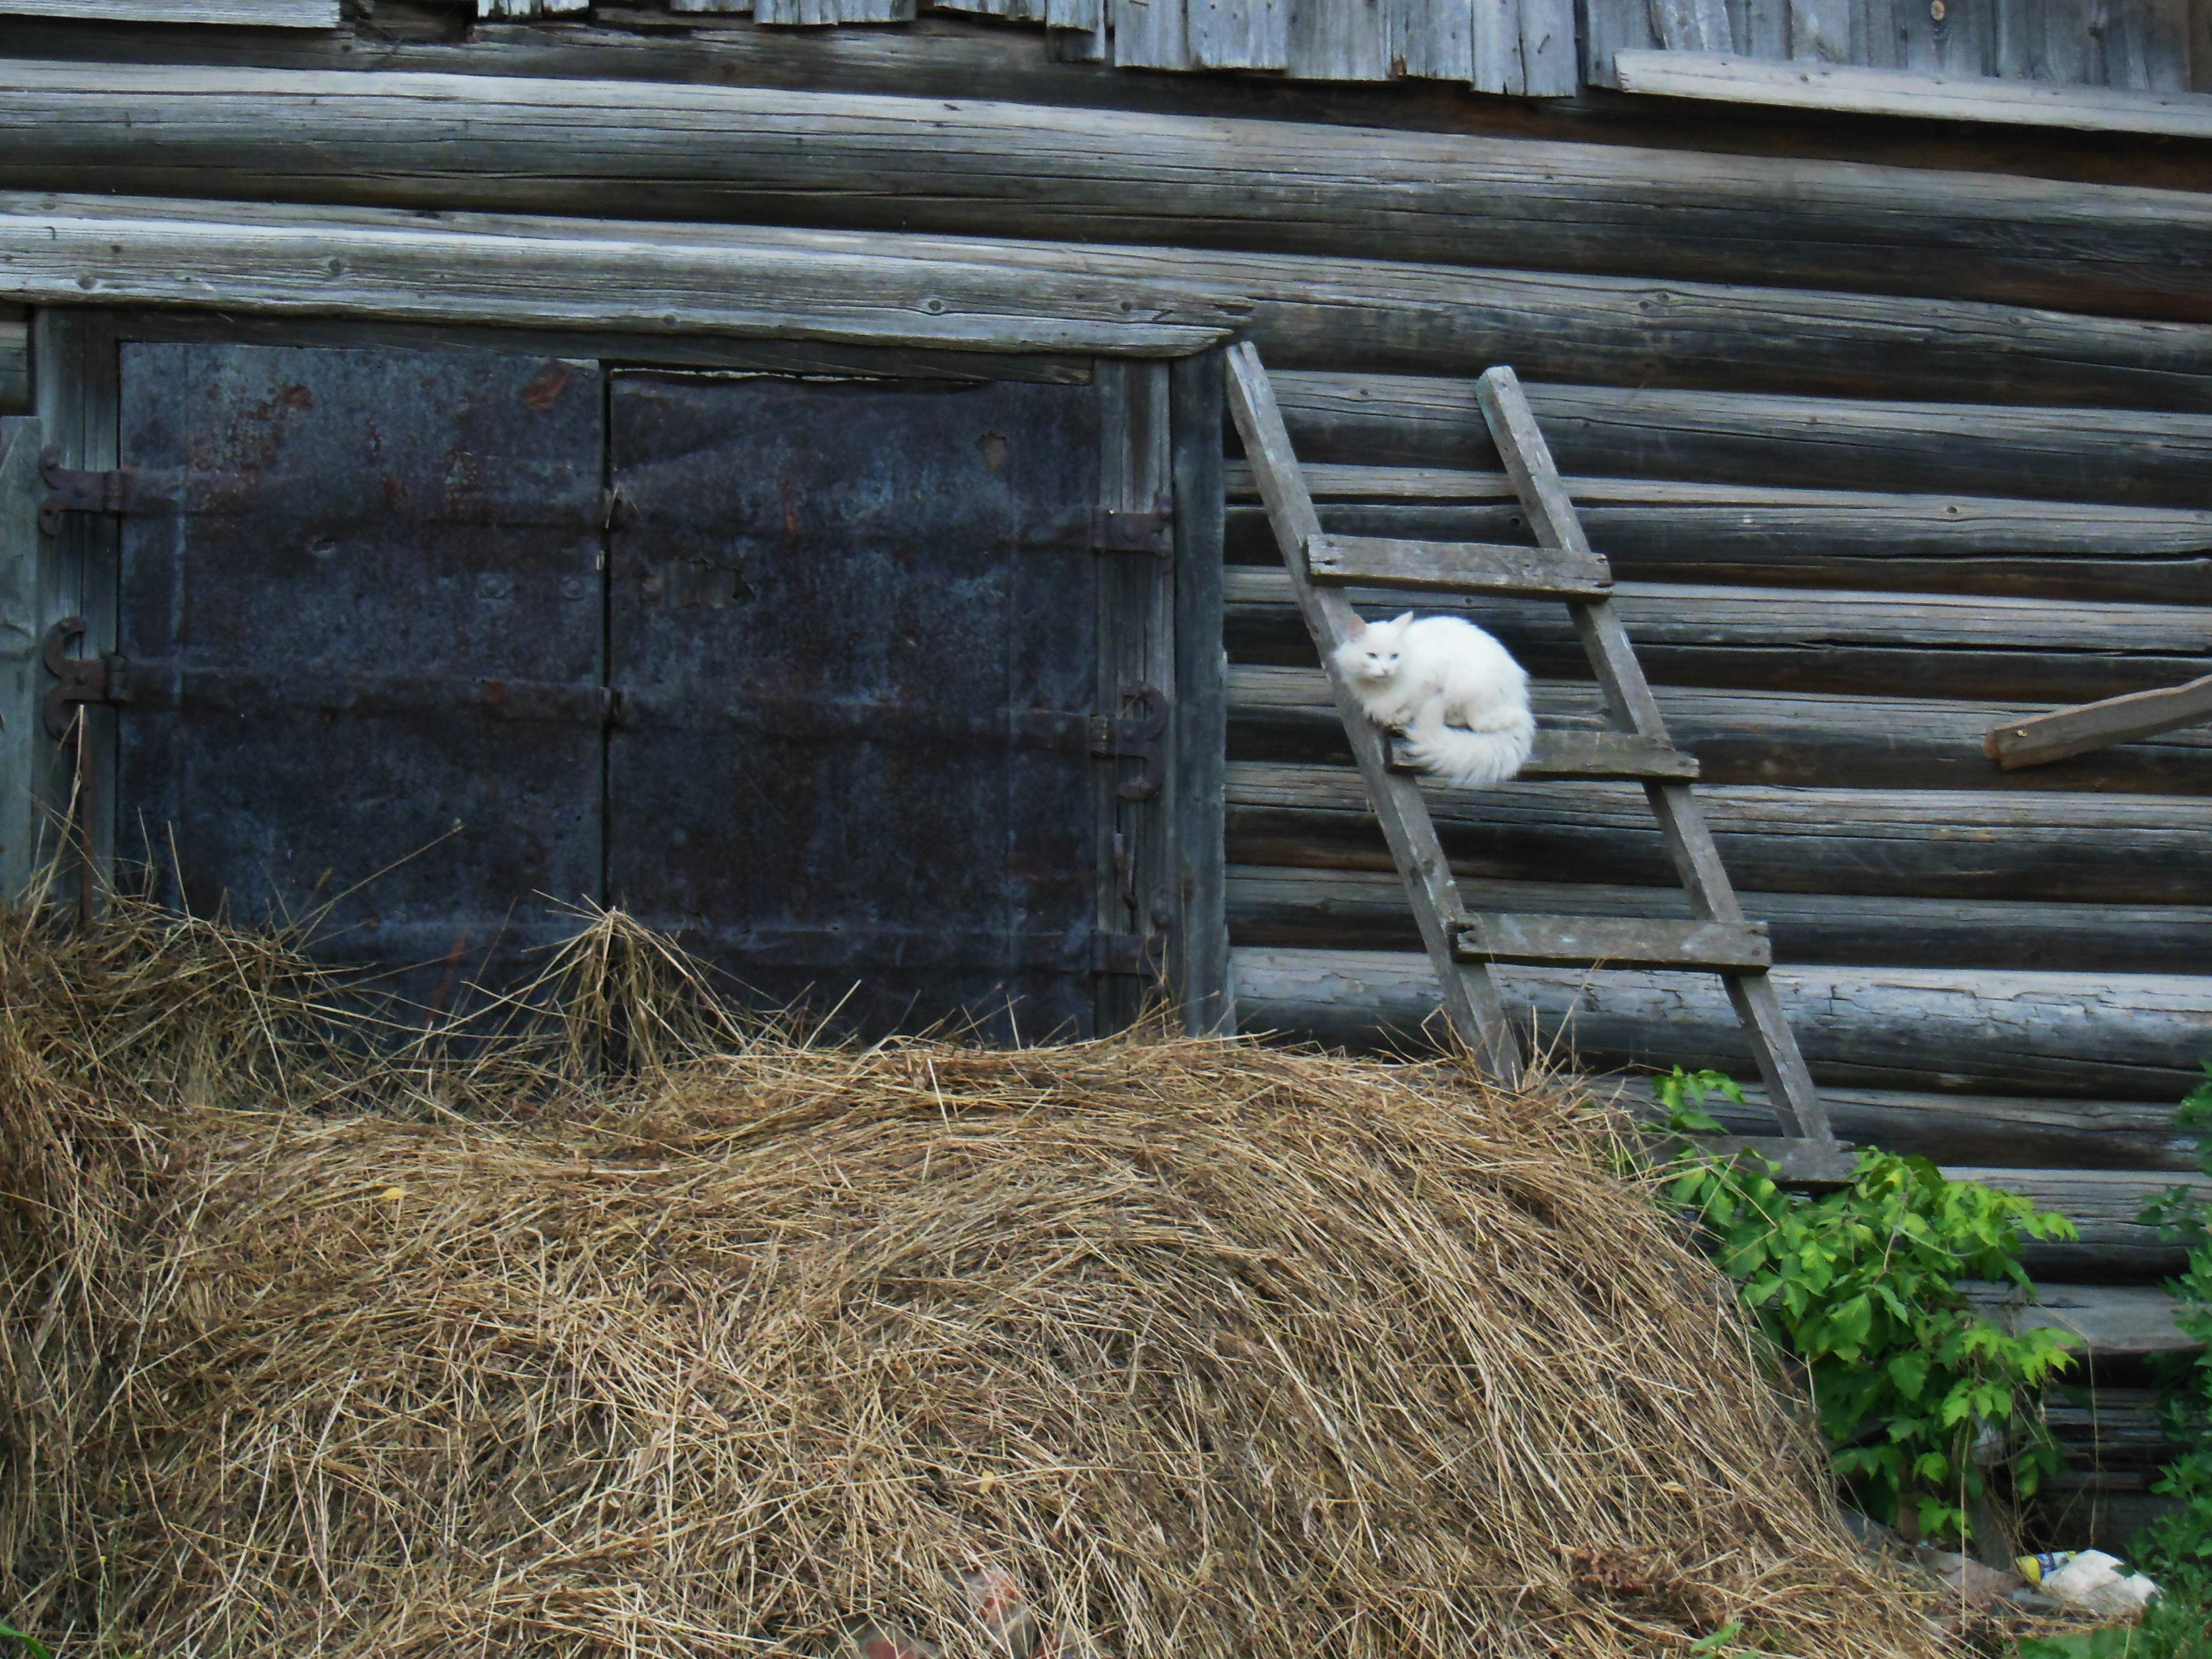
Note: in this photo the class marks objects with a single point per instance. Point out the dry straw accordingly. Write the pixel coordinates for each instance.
(640, 1330)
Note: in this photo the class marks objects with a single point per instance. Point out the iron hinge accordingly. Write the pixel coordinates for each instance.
(118, 490)
(103, 679)
(1141, 955)
(1134, 736)
(1145, 530)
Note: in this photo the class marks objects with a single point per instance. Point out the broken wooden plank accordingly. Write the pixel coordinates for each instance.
(1458, 567)
(1540, 941)
(2079, 730)
(1852, 88)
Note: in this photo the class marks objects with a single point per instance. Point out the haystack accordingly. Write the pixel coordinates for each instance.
(641, 1330)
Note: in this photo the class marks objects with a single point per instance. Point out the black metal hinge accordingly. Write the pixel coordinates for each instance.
(1147, 529)
(79, 680)
(118, 491)
(1135, 737)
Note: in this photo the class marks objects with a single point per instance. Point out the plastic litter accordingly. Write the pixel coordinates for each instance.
(2088, 1579)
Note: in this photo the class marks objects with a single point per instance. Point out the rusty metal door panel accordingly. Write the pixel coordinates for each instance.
(843, 617)
(366, 632)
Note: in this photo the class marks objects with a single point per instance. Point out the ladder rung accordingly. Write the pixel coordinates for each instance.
(1559, 755)
(1803, 1163)
(1713, 947)
(1458, 567)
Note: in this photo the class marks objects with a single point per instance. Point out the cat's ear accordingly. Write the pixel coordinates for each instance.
(1403, 619)
(1359, 627)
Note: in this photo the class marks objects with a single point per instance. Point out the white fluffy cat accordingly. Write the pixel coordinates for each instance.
(1456, 694)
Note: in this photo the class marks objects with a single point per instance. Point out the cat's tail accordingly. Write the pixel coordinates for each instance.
(1472, 760)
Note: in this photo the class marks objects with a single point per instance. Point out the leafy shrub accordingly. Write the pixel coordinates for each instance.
(1859, 1286)
(2177, 1549)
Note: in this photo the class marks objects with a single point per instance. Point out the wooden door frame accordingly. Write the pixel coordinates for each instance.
(1159, 616)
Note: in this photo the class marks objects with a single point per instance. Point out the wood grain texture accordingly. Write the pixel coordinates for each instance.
(2103, 1205)
(2036, 652)
(2076, 455)
(2051, 1035)
(1527, 940)
(1201, 711)
(258, 14)
(1934, 843)
(1457, 568)
(2065, 732)
(24, 747)
(1320, 908)
(1908, 92)
(360, 262)
(1813, 740)
(1013, 169)
(1659, 530)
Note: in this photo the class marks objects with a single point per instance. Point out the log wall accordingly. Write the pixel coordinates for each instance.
(1892, 430)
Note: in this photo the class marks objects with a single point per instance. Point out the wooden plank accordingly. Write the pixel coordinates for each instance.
(2079, 730)
(1796, 1163)
(23, 744)
(1589, 755)
(2108, 1321)
(14, 366)
(1321, 908)
(1766, 440)
(529, 8)
(1539, 941)
(2103, 1204)
(1150, 34)
(1457, 40)
(1457, 568)
(257, 14)
(1201, 705)
(1611, 26)
(1284, 714)
(363, 262)
(1341, 41)
(2089, 1037)
(1251, 34)
(1849, 88)
(1465, 993)
(1547, 48)
(1019, 169)
(1689, 26)
(2032, 652)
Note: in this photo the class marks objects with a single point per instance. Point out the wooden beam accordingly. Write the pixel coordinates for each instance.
(2090, 1036)
(1852, 89)
(2070, 732)
(975, 166)
(1364, 909)
(1932, 843)
(540, 274)
(2036, 652)
(1816, 740)
(1589, 754)
(25, 751)
(1766, 440)
(1540, 941)
(2104, 1205)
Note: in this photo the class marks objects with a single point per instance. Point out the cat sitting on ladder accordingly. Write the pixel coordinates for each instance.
(1456, 694)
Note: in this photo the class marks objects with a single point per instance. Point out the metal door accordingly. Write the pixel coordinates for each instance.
(361, 630)
(853, 627)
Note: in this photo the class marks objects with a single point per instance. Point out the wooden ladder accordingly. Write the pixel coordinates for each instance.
(1560, 567)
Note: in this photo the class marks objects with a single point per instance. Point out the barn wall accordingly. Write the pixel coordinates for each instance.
(1873, 482)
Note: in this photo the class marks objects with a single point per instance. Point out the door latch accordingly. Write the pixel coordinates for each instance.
(1145, 530)
(118, 490)
(1134, 736)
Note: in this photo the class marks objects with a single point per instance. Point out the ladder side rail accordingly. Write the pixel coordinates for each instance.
(1682, 819)
(1471, 1003)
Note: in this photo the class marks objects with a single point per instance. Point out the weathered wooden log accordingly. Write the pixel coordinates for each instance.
(1859, 644)
(1283, 714)
(2104, 1205)
(1738, 437)
(1928, 844)
(538, 274)
(753, 156)
(14, 363)
(1317, 906)
(2089, 1037)
(2012, 1131)
(1304, 311)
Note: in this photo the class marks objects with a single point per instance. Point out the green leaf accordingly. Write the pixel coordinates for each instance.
(37, 1648)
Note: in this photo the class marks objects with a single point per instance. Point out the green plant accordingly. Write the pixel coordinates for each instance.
(2177, 1549)
(1917, 1394)
(32, 1646)
(2171, 1628)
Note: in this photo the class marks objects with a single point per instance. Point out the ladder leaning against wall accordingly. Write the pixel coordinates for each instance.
(1464, 947)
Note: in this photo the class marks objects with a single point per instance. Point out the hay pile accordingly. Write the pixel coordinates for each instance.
(642, 1334)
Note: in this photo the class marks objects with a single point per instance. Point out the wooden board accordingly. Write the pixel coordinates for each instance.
(1541, 941)
(1555, 754)
(2035, 651)
(2103, 1204)
(1457, 568)
(2060, 848)
(1201, 713)
(1863, 91)
(258, 14)
(24, 748)
(1767, 440)
(1283, 714)
(2054, 1036)
(1364, 909)
(2069, 732)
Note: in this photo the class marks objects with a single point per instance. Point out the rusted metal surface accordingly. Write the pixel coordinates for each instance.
(364, 640)
(118, 491)
(78, 679)
(856, 626)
